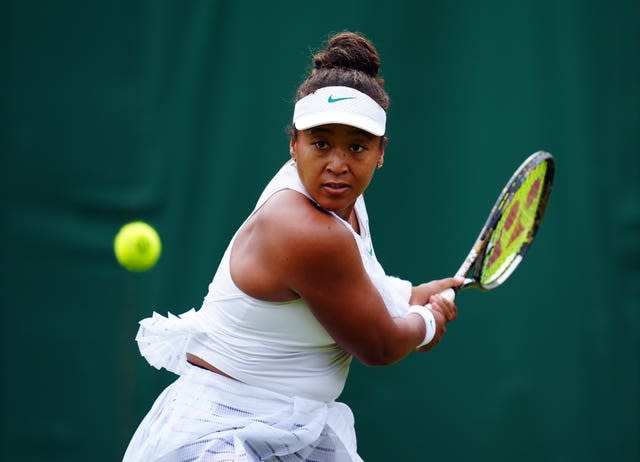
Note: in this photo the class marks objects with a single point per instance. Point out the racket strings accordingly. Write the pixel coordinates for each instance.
(516, 225)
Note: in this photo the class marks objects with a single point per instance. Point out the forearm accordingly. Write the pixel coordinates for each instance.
(393, 344)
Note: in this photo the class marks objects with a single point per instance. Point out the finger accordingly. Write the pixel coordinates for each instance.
(434, 306)
(443, 284)
(447, 308)
(450, 307)
(441, 318)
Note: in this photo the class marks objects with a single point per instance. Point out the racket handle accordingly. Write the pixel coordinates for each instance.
(448, 294)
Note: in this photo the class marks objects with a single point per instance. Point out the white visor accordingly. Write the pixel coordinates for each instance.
(340, 105)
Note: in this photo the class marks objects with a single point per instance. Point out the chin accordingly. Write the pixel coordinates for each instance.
(336, 206)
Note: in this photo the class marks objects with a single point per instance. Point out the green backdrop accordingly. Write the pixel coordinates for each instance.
(175, 112)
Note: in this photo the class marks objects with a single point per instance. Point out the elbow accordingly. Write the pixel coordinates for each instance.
(381, 348)
(374, 358)
(375, 362)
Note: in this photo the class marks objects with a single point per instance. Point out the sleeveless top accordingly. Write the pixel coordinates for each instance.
(279, 346)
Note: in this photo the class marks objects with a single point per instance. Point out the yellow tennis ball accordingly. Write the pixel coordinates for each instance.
(137, 246)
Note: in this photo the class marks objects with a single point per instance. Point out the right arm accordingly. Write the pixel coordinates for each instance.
(292, 249)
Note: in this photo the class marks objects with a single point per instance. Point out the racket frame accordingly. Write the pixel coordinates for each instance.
(474, 257)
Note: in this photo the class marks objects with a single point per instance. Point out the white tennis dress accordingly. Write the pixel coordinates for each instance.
(289, 371)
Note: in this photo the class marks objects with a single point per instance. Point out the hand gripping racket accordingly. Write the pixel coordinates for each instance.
(512, 224)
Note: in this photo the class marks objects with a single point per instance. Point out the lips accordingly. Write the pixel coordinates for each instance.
(335, 187)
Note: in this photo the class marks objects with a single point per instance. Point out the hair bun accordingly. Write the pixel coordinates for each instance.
(348, 60)
(349, 50)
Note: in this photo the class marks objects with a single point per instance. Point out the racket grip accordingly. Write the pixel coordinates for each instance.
(448, 294)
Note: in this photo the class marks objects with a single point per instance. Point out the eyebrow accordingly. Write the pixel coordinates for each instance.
(353, 131)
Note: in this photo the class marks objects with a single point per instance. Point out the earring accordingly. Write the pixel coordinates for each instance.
(379, 166)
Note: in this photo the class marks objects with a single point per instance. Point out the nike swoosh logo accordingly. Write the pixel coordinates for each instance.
(335, 100)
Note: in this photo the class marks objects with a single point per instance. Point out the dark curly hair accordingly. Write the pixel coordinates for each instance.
(348, 60)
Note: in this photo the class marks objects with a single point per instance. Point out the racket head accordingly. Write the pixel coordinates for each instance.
(512, 224)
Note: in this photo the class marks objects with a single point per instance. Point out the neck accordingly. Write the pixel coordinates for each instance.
(353, 221)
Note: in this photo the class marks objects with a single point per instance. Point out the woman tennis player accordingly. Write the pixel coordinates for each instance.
(298, 293)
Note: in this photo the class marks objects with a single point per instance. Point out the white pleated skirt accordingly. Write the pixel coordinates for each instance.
(206, 417)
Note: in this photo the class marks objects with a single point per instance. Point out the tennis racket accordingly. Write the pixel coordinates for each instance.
(510, 228)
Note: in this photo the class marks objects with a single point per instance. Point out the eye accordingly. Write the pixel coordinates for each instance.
(321, 144)
(357, 148)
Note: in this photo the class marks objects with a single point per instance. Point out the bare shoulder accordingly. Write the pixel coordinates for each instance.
(302, 223)
(288, 242)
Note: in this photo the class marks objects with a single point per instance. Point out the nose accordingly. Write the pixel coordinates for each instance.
(337, 162)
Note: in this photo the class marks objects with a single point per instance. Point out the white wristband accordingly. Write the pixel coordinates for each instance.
(429, 322)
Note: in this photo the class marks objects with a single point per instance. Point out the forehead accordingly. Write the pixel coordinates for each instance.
(338, 129)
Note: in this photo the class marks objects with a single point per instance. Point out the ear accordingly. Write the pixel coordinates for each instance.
(381, 158)
(292, 147)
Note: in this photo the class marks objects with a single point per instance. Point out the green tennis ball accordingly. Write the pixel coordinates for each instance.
(137, 246)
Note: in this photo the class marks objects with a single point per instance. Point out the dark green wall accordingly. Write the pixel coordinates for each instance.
(175, 113)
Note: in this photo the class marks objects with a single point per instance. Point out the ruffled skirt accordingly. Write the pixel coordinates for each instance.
(205, 417)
